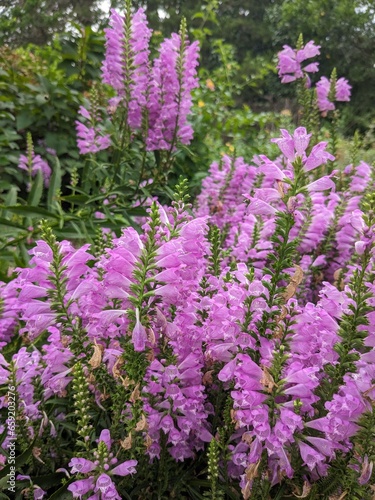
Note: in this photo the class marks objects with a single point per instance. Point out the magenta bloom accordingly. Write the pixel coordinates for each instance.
(125, 468)
(105, 437)
(81, 465)
(321, 184)
(290, 62)
(294, 145)
(139, 335)
(342, 93)
(317, 157)
(104, 484)
(170, 100)
(366, 471)
(126, 66)
(310, 456)
(343, 90)
(90, 140)
(37, 164)
(81, 487)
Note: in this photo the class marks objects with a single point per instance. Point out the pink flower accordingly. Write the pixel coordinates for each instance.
(90, 139)
(81, 465)
(125, 468)
(103, 483)
(294, 145)
(128, 70)
(81, 487)
(290, 60)
(343, 90)
(366, 471)
(37, 165)
(323, 87)
(321, 184)
(260, 207)
(310, 456)
(174, 76)
(105, 437)
(139, 335)
(317, 157)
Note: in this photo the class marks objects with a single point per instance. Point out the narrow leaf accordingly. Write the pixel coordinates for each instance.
(36, 191)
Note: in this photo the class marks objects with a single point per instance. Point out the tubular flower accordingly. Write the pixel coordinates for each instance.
(290, 62)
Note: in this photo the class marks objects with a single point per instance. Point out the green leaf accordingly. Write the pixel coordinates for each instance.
(42, 99)
(49, 480)
(54, 185)
(136, 211)
(24, 120)
(29, 211)
(78, 199)
(6, 222)
(11, 197)
(24, 253)
(63, 493)
(20, 460)
(68, 425)
(36, 192)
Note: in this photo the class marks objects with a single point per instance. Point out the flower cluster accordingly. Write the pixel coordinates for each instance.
(152, 98)
(323, 90)
(99, 471)
(247, 323)
(290, 62)
(327, 90)
(91, 139)
(33, 164)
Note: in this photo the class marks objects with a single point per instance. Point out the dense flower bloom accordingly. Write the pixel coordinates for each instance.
(174, 77)
(126, 65)
(192, 325)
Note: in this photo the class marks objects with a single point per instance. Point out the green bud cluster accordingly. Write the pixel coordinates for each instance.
(82, 398)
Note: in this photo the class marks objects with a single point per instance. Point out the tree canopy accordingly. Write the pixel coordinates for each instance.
(36, 21)
(257, 30)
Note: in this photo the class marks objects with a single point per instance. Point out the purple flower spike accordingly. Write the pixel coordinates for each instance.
(37, 164)
(90, 139)
(289, 66)
(129, 75)
(170, 102)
